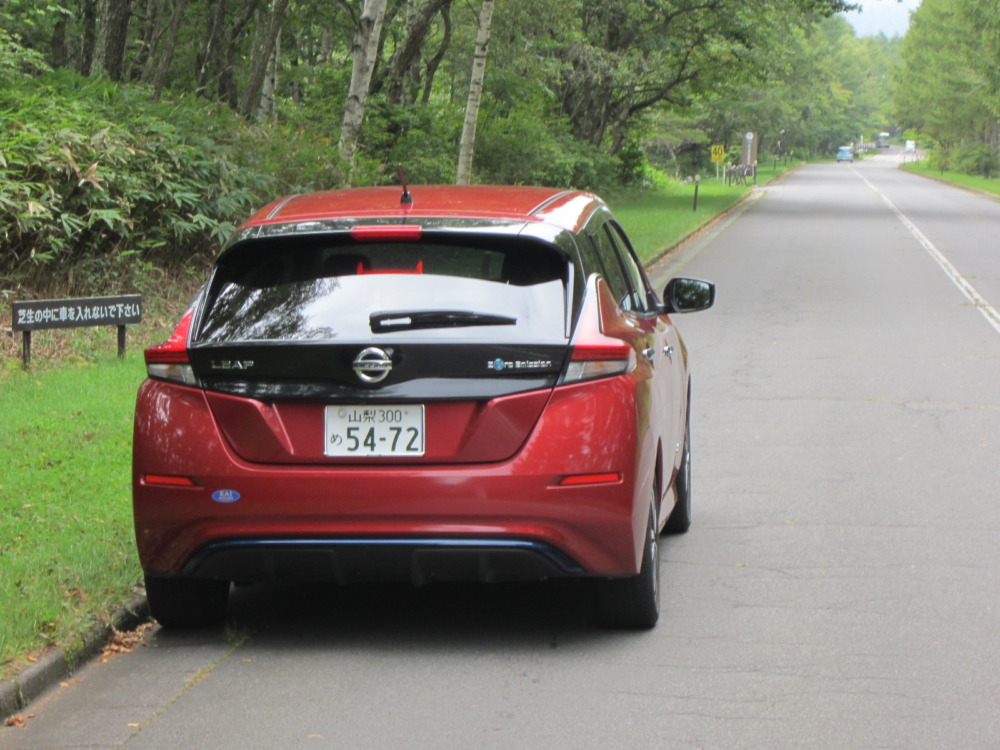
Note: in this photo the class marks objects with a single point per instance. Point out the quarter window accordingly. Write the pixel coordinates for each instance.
(641, 297)
(614, 273)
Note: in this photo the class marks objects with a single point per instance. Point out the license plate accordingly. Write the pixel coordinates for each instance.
(373, 431)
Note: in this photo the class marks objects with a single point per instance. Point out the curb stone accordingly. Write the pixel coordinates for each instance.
(16, 694)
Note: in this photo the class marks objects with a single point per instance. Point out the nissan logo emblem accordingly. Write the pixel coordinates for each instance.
(372, 365)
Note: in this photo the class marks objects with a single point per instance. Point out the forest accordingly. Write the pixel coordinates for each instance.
(134, 134)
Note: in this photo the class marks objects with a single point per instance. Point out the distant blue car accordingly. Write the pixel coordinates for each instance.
(845, 153)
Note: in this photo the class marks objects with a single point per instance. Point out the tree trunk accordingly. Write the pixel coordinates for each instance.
(100, 50)
(60, 46)
(166, 56)
(150, 37)
(467, 146)
(262, 58)
(117, 23)
(435, 62)
(363, 49)
(209, 55)
(229, 51)
(89, 23)
(403, 70)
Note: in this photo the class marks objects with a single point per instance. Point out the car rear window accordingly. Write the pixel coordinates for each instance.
(312, 289)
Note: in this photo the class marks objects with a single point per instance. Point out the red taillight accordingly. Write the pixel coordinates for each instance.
(388, 232)
(169, 360)
(595, 354)
(621, 350)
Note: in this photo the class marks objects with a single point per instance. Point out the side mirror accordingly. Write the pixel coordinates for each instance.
(688, 295)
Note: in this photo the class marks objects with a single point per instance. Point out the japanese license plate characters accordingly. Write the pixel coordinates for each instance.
(372, 431)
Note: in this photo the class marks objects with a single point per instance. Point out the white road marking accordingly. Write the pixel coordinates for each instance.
(988, 311)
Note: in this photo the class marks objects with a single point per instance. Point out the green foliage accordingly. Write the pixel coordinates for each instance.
(522, 149)
(96, 178)
(89, 171)
(976, 158)
(982, 20)
(17, 61)
(948, 87)
(969, 158)
(825, 88)
(421, 138)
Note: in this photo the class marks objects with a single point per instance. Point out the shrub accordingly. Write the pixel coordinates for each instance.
(92, 174)
(89, 170)
(17, 61)
(521, 149)
(975, 158)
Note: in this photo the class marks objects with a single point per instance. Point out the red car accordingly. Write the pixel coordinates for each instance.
(449, 384)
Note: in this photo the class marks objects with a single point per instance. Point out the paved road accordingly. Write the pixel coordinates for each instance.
(839, 587)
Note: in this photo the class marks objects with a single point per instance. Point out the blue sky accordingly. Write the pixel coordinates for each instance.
(888, 17)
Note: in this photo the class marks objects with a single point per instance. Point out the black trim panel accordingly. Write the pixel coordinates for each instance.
(419, 561)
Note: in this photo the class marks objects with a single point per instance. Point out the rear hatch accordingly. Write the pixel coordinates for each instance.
(326, 349)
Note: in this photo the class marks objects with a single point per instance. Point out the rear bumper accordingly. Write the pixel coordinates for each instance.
(499, 521)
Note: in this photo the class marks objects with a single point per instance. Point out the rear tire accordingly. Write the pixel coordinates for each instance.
(632, 603)
(187, 602)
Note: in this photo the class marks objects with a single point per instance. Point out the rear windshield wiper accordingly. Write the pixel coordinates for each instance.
(388, 322)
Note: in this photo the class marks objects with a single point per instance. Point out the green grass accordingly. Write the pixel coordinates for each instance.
(67, 551)
(986, 184)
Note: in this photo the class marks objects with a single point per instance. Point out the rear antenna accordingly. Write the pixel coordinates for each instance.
(407, 198)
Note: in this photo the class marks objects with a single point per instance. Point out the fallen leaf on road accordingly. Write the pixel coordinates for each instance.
(18, 720)
(124, 641)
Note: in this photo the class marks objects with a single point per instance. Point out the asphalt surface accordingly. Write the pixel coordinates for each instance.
(838, 588)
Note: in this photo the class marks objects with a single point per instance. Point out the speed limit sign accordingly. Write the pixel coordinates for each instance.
(718, 153)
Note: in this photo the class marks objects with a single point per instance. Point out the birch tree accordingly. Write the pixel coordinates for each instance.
(467, 145)
(364, 50)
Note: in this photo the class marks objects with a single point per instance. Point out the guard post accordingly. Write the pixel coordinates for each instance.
(75, 313)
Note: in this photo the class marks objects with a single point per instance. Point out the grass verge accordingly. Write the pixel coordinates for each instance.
(67, 553)
(985, 184)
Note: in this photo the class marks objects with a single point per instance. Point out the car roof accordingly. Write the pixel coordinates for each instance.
(565, 209)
